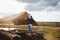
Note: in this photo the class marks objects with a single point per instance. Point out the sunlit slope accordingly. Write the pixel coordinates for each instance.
(18, 19)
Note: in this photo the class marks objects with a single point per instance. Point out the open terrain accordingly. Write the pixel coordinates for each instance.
(47, 32)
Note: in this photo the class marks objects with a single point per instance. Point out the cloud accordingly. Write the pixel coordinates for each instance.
(10, 6)
(46, 5)
(43, 16)
(4, 14)
(1, 16)
(28, 1)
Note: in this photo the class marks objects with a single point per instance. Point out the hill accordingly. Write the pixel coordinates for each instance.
(18, 19)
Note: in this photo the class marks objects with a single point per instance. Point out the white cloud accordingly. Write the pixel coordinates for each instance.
(10, 6)
(46, 16)
(1, 16)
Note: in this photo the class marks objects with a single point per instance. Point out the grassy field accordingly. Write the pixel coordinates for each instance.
(39, 28)
(50, 32)
(53, 31)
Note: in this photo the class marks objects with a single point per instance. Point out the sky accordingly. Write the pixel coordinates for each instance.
(41, 10)
(10, 7)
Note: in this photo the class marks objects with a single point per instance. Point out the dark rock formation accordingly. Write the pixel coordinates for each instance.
(21, 35)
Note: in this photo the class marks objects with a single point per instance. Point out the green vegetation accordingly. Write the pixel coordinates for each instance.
(51, 32)
(14, 26)
(55, 33)
(51, 24)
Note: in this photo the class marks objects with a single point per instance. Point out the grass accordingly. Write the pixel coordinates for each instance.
(47, 31)
(12, 26)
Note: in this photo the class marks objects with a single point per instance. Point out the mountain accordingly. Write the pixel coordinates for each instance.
(17, 19)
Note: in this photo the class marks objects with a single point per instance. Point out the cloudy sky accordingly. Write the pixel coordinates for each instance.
(41, 10)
